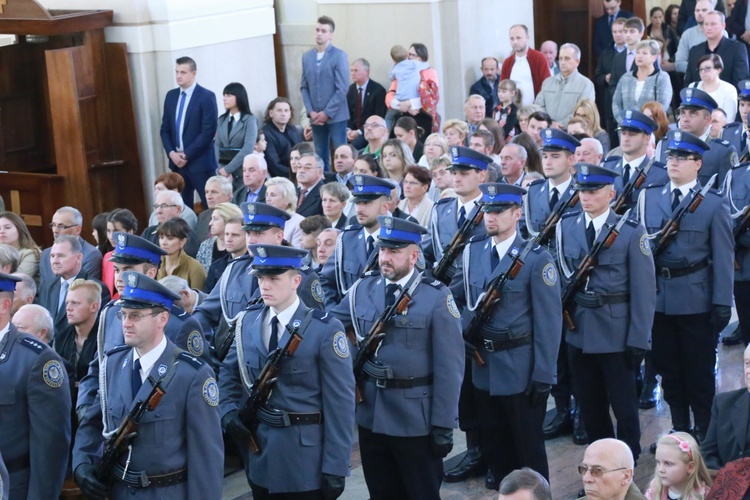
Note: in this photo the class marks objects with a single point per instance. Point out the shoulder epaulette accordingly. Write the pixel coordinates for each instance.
(352, 227)
(444, 200)
(571, 214)
(190, 359)
(374, 272)
(433, 282)
(321, 315)
(655, 185)
(610, 159)
(478, 237)
(253, 306)
(633, 222)
(723, 142)
(536, 182)
(178, 311)
(33, 344)
(117, 348)
(247, 256)
(305, 268)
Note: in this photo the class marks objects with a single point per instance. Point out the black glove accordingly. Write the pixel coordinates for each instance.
(88, 483)
(333, 486)
(234, 427)
(634, 356)
(470, 349)
(538, 393)
(720, 316)
(441, 441)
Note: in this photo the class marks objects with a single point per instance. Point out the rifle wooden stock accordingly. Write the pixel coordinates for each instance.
(672, 226)
(549, 225)
(636, 183)
(456, 245)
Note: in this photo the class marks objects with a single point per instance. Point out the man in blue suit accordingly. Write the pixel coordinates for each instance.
(603, 25)
(325, 81)
(188, 127)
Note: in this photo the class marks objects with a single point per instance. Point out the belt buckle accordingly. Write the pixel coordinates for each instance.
(381, 383)
(666, 273)
(143, 479)
(489, 345)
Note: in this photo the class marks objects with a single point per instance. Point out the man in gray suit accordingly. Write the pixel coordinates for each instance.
(325, 80)
(68, 220)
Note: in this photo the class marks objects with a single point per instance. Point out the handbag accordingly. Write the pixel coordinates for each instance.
(227, 154)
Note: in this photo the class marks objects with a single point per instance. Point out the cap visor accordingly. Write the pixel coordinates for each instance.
(388, 243)
(129, 259)
(461, 166)
(498, 207)
(258, 227)
(135, 304)
(590, 187)
(265, 271)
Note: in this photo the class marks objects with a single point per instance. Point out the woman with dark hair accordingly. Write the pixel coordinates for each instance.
(533, 159)
(407, 131)
(368, 165)
(173, 235)
(119, 220)
(660, 30)
(235, 133)
(710, 67)
(99, 232)
(494, 128)
(427, 117)
(416, 203)
(13, 232)
(670, 17)
(281, 137)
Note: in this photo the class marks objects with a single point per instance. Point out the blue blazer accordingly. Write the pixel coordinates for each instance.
(198, 130)
(324, 85)
(603, 33)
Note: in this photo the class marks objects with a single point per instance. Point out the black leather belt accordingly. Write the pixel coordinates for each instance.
(280, 418)
(17, 464)
(384, 379)
(592, 299)
(504, 345)
(143, 480)
(668, 273)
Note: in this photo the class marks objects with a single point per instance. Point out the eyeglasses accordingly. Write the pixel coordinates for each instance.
(596, 472)
(680, 159)
(134, 317)
(705, 69)
(163, 206)
(61, 227)
(372, 125)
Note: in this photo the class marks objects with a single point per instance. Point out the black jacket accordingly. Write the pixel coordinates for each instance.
(373, 103)
(278, 146)
(733, 54)
(489, 92)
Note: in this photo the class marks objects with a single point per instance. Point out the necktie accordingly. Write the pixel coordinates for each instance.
(554, 198)
(611, 18)
(273, 341)
(461, 216)
(370, 243)
(744, 134)
(63, 294)
(625, 174)
(136, 377)
(359, 107)
(390, 294)
(301, 197)
(178, 123)
(494, 258)
(676, 196)
(590, 234)
(230, 125)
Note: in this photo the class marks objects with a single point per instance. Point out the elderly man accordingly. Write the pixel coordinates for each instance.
(732, 52)
(168, 205)
(66, 261)
(34, 320)
(549, 49)
(525, 66)
(254, 172)
(25, 292)
(365, 98)
(474, 109)
(524, 484)
(512, 162)
(487, 85)
(590, 151)
(376, 133)
(68, 220)
(189, 297)
(9, 258)
(218, 190)
(309, 179)
(718, 120)
(607, 470)
(560, 93)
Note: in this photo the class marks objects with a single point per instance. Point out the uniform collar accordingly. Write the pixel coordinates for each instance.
(684, 189)
(598, 221)
(285, 316)
(4, 332)
(149, 359)
(561, 188)
(403, 281)
(503, 247)
(469, 204)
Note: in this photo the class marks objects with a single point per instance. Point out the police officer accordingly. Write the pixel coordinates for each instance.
(306, 429)
(3, 479)
(356, 246)
(613, 313)
(520, 342)
(35, 416)
(695, 118)
(264, 224)
(412, 382)
(694, 281)
(178, 451)
(744, 112)
(737, 188)
(136, 254)
(544, 196)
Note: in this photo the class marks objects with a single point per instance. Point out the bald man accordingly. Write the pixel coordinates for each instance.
(549, 50)
(607, 471)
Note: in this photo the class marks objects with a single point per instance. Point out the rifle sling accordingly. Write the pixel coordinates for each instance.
(383, 377)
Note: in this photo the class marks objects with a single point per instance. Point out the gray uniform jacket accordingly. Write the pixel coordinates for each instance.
(626, 268)
(346, 265)
(720, 159)
(536, 206)
(318, 378)
(34, 416)
(738, 191)
(4, 483)
(184, 431)
(657, 174)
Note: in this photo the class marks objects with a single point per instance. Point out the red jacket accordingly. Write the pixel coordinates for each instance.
(537, 63)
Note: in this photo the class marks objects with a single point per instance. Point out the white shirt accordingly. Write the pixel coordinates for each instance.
(4, 331)
(503, 247)
(188, 94)
(236, 117)
(468, 206)
(639, 88)
(284, 316)
(561, 188)
(375, 234)
(149, 359)
(598, 221)
(684, 189)
(521, 74)
(402, 282)
(634, 163)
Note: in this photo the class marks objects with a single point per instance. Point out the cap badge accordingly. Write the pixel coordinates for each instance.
(548, 133)
(454, 151)
(262, 252)
(584, 170)
(132, 280)
(492, 190)
(358, 180)
(689, 92)
(678, 136)
(250, 209)
(628, 114)
(388, 221)
(121, 239)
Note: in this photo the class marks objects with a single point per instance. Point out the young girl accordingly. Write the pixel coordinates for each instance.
(260, 143)
(506, 113)
(680, 471)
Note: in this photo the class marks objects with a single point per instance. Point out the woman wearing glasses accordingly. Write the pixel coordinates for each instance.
(710, 67)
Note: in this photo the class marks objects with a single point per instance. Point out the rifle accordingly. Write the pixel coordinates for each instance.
(457, 244)
(742, 227)
(635, 182)
(543, 236)
(117, 445)
(489, 299)
(223, 349)
(376, 335)
(263, 385)
(672, 226)
(586, 267)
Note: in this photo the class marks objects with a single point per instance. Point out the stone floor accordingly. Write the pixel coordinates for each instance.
(562, 454)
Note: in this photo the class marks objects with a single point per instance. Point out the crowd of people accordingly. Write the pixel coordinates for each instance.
(566, 237)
